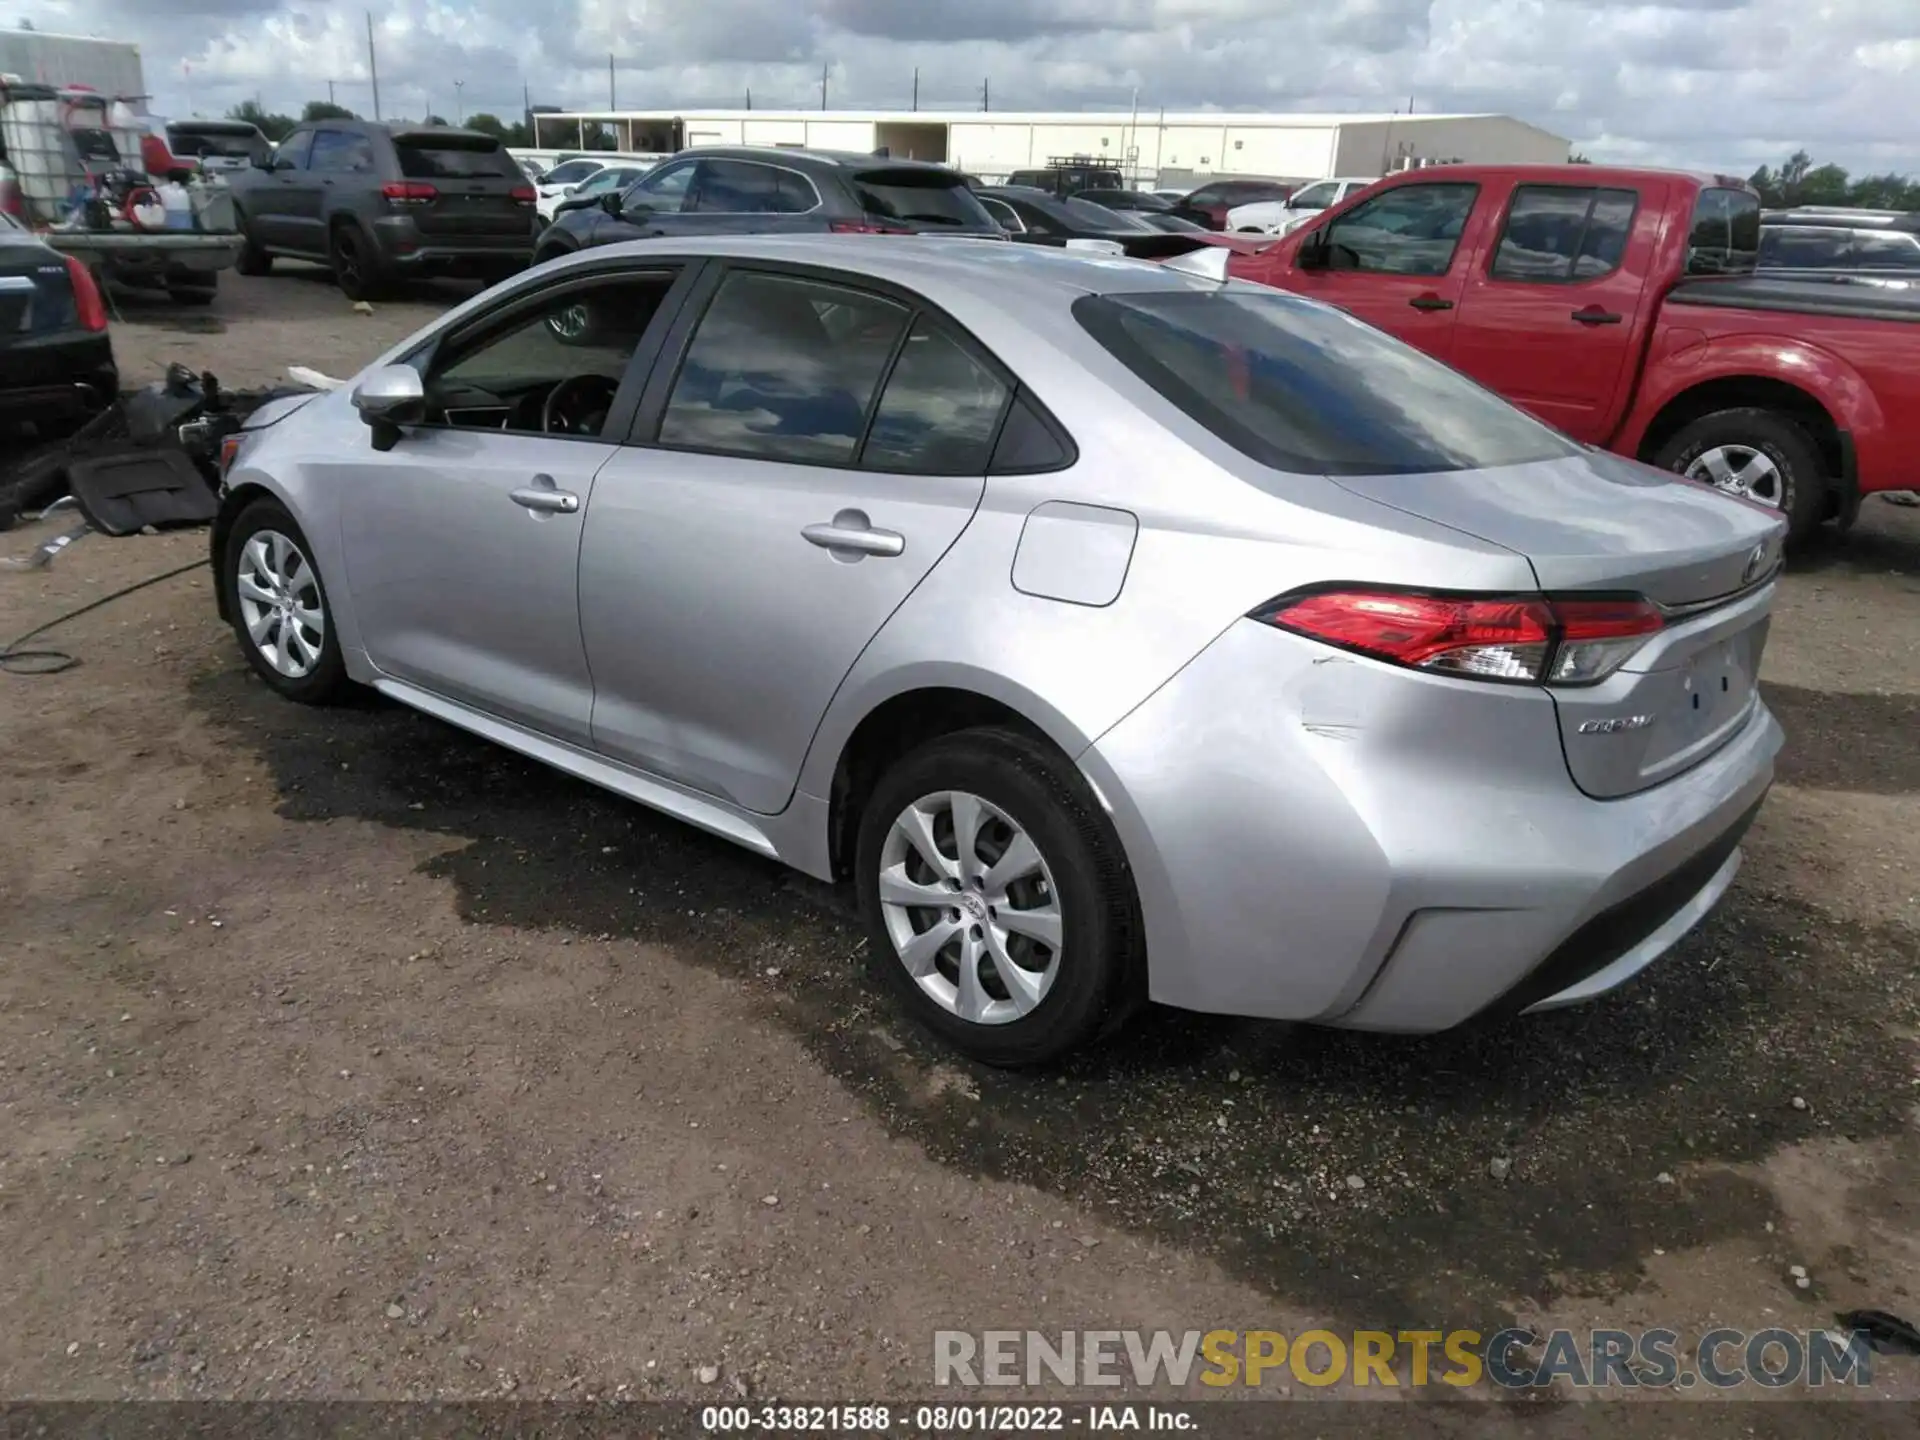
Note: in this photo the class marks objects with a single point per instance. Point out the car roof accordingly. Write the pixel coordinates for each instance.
(983, 271)
(783, 155)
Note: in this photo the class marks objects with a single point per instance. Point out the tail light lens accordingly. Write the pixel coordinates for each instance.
(865, 227)
(229, 451)
(89, 306)
(410, 192)
(12, 201)
(1528, 640)
(522, 194)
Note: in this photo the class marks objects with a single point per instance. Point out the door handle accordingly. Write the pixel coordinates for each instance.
(1430, 302)
(850, 531)
(542, 496)
(1594, 315)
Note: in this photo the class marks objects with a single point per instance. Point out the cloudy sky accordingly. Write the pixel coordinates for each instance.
(1728, 83)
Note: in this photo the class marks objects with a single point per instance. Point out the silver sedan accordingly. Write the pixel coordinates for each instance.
(1118, 632)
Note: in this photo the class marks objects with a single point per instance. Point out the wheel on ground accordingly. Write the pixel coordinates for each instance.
(356, 268)
(998, 904)
(279, 606)
(1759, 455)
(251, 260)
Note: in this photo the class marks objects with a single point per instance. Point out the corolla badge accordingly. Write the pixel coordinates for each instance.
(1615, 725)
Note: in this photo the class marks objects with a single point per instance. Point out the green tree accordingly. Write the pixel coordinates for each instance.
(1578, 159)
(1800, 182)
(274, 127)
(326, 110)
(514, 135)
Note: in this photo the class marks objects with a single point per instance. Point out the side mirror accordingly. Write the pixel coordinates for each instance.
(388, 398)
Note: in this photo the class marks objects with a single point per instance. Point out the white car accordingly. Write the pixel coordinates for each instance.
(1272, 217)
(565, 176)
(606, 178)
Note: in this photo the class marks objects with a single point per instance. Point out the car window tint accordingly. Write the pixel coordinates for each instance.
(666, 189)
(1085, 215)
(766, 375)
(293, 150)
(1725, 235)
(735, 187)
(1027, 443)
(1411, 230)
(1208, 195)
(500, 379)
(939, 410)
(571, 173)
(1002, 213)
(454, 158)
(339, 150)
(924, 197)
(1886, 250)
(1303, 387)
(1563, 232)
(1805, 247)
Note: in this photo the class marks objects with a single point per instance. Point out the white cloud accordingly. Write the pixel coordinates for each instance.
(1722, 83)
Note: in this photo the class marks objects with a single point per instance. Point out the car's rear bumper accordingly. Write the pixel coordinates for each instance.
(1316, 836)
(407, 248)
(57, 377)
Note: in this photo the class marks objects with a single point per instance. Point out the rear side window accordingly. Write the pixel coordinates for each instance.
(1001, 213)
(454, 158)
(929, 198)
(1886, 250)
(1558, 233)
(1303, 387)
(939, 411)
(783, 368)
(340, 150)
(1725, 238)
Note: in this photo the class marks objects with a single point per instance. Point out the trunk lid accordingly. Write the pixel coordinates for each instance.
(1596, 523)
(474, 180)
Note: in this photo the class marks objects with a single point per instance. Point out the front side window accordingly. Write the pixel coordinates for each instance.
(939, 411)
(1563, 232)
(292, 152)
(665, 189)
(1303, 387)
(1410, 230)
(783, 368)
(551, 368)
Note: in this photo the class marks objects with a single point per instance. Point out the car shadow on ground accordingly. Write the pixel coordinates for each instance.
(1879, 545)
(1352, 1172)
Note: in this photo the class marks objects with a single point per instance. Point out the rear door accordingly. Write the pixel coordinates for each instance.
(1399, 261)
(478, 190)
(1549, 317)
(806, 457)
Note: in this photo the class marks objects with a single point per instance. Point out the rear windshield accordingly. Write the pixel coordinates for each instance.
(1725, 239)
(454, 158)
(1303, 387)
(1086, 215)
(201, 142)
(931, 199)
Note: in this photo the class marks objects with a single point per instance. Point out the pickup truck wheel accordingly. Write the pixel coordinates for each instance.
(251, 260)
(1759, 455)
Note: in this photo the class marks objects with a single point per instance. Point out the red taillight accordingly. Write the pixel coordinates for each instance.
(865, 227)
(410, 192)
(12, 201)
(89, 307)
(522, 195)
(1528, 639)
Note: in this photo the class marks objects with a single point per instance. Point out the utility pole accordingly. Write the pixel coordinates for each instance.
(823, 83)
(916, 87)
(526, 113)
(749, 97)
(373, 67)
(610, 101)
(986, 94)
(329, 92)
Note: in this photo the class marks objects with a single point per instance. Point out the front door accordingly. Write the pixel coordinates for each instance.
(271, 199)
(1397, 262)
(734, 568)
(462, 542)
(1549, 320)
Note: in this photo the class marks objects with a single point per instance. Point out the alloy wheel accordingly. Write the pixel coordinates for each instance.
(279, 595)
(971, 908)
(1741, 470)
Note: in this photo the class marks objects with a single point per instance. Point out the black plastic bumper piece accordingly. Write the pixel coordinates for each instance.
(1616, 930)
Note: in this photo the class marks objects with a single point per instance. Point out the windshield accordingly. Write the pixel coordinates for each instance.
(1303, 387)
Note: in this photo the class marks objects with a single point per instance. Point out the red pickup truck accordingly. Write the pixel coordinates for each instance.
(1619, 306)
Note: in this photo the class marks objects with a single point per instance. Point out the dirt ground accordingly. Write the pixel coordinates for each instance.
(342, 1055)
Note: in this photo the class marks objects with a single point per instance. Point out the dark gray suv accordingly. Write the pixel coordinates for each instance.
(742, 190)
(382, 203)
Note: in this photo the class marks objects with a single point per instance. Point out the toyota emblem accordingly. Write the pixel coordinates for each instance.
(1756, 563)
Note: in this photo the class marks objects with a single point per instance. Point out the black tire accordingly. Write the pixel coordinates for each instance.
(1100, 959)
(251, 260)
(327, 679)
(356, 263)
(1806, 491)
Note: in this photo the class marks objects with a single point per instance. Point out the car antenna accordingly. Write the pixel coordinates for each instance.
(1209, 262)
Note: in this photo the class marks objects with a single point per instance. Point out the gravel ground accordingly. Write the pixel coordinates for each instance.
(342, 1055)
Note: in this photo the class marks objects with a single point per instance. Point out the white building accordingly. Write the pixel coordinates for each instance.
(1151, 148)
